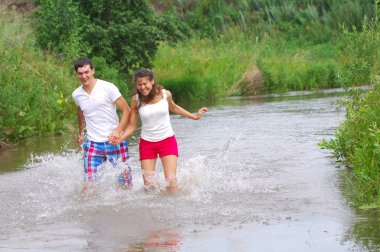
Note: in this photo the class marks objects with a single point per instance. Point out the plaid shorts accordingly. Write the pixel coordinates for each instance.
(97, 153)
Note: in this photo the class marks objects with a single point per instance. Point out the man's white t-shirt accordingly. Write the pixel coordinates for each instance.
(99, 109)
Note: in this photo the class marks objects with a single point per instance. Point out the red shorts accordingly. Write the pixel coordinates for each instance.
(150, 150)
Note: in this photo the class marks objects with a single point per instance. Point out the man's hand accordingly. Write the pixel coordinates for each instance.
(114, 138)
(80, 140)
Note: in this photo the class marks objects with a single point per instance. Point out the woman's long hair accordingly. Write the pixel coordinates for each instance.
(144, 72)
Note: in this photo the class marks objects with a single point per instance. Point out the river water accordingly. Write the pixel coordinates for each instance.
(251, 174)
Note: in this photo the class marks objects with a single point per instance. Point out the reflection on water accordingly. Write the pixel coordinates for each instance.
(249, 172)
(257, 99)
(365, 230)
(26, 151)
(157, 240)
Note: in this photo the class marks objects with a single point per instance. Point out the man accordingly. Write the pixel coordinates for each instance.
(97, 101)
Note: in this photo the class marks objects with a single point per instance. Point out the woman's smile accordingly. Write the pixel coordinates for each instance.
(144, 85)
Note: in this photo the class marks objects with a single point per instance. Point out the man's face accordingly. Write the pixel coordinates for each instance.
(85, 75)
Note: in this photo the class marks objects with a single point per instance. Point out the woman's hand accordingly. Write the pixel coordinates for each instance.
(200, 113)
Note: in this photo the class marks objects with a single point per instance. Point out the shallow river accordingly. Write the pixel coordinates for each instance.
(252, 178)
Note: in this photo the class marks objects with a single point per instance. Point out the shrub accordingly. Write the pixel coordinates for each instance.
(33, 87)
(125, 33)
(357, 140)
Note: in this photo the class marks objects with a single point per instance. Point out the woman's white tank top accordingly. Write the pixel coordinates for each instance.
(155, 120)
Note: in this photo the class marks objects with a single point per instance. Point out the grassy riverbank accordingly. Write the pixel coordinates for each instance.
(240, 65)
(357, 140)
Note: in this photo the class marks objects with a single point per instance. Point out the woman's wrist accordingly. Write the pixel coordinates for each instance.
(122, 137)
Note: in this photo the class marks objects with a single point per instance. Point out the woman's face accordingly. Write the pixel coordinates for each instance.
(144, 85)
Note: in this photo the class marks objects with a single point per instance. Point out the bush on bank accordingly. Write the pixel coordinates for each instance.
(356, 144)
(357, 140)
(34, 86)
(125, 33)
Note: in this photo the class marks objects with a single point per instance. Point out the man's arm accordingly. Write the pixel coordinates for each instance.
(81, 126)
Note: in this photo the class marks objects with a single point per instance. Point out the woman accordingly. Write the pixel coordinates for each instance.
(157, 139)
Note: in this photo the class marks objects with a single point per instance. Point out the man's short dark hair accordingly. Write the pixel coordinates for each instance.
(81, 62)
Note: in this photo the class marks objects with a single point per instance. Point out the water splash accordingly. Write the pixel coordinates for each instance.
(50, 187)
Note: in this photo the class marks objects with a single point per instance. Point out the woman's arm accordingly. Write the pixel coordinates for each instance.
(133, 117)
(183, 112)
(122, 105)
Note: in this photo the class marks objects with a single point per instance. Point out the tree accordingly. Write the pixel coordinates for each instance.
(126, 33)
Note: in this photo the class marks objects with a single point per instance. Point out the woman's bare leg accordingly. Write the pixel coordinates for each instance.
(169, 164)
(148, 167)
(88, 187)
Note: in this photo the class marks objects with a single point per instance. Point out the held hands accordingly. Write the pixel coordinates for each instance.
(200, 113)
(114, 138)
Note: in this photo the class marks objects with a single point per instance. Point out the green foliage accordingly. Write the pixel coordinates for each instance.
(210, 66)
(210, 17)
(60, 27)
(357, 140)
(287, 74)
(106, 72)
(284, 65)
(191, 88)
(362, 46)
(292, 43)
(357, 144)
(172, 28)
(314, 20)
(33, 87)
(125, 33)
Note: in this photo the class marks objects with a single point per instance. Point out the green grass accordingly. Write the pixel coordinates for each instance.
(207, 67)
(216, 66)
